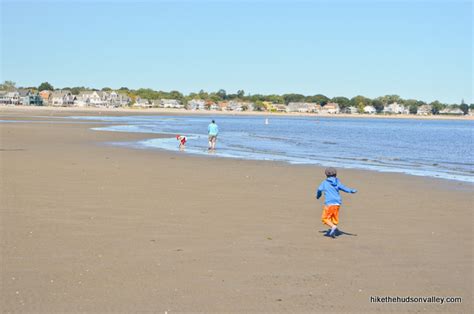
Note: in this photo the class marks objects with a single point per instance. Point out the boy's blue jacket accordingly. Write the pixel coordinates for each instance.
(331, 187)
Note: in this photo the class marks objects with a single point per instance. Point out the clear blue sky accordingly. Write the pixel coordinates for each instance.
(416, 49)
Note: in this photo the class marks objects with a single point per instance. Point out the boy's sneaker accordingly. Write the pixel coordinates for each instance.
(332, 232)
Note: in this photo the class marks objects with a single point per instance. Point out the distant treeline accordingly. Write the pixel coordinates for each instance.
(258, 99)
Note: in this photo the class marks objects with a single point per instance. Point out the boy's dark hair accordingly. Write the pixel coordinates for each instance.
(330, 172)
(213, 121)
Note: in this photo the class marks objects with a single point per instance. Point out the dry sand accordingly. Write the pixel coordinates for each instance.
(90, 227)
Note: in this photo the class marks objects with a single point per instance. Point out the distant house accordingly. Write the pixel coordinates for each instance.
(369, 110)
(281, 108)
(196, 104)
(118, 99)
(424, 110)
(10, 98)
(212, 106)
(330, 108)
(222, 105)
(62, 99)
(142, 103)
(235, 105)
(350, 110)
(396, 108)
(28, 98)
(45, 94)
(301, 107)
(171, 103)
(91, 98)
(452, 111)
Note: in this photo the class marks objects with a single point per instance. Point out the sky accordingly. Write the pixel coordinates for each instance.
(416, 49)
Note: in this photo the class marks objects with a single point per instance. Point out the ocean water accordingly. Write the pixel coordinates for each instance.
(434, 148)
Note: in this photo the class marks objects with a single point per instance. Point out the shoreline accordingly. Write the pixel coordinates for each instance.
(154, 111)
(134, 145)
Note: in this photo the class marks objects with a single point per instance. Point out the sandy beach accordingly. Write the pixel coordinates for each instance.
(91, 227)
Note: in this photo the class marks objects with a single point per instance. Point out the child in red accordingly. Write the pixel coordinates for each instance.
(331, 187)
(182, 141)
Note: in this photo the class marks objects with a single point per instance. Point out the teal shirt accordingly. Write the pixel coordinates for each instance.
(213, 129)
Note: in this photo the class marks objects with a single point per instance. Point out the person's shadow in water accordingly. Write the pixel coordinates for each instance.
(337, 234)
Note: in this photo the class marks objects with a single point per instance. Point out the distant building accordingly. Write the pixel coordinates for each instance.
(452, 111)
(62, 98)
(171, 103)
(281, 108)
(222, 105)
(235, 105)
(10, 98)
(350, 110)
(369, 110)
(330, 108)
(424, 110)
(142, 103)
(396, 108)
(301, 107)
(28, 98)
(45, 94)
(196, 104)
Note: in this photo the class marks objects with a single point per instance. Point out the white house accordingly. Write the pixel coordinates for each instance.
(369, 110)
(91, 98)
(171, 103)
(142, 103)
(10, 98)
(301, 107)
(396, 108)
(196, 104)
(424, 110)
(234, 105)
(452, 111)
(62, 98)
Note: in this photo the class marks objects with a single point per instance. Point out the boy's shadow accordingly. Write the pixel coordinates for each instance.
(337, 233)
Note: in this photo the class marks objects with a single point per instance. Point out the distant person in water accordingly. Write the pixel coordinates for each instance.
(331, 187)
(213, 131)
(182, 141)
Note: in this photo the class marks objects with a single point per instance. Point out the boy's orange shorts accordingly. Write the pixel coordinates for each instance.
(330, 214)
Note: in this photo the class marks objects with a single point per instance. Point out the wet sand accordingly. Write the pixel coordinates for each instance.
(91, 227)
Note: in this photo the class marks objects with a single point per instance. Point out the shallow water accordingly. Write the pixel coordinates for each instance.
(435, 148)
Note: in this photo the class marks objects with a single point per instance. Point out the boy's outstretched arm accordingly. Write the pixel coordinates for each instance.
(344, 188)
(319, 192)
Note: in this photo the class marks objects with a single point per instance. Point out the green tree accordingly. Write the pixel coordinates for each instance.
(106, 89)
(465, 108)
(293, 98)
(320, 99)
(359, 101)
(240, 93)
(378, 105)
(8, 85)
(436, 107)
(222, 94)
(45, 86)
(259, 106)
(343, 102)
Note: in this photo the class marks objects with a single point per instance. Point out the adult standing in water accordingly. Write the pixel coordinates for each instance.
(212, 130)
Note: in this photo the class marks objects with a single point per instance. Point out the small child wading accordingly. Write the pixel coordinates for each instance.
(331, 187)
(182, 141)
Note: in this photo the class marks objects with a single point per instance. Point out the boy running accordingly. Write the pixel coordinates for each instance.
(333, 201)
